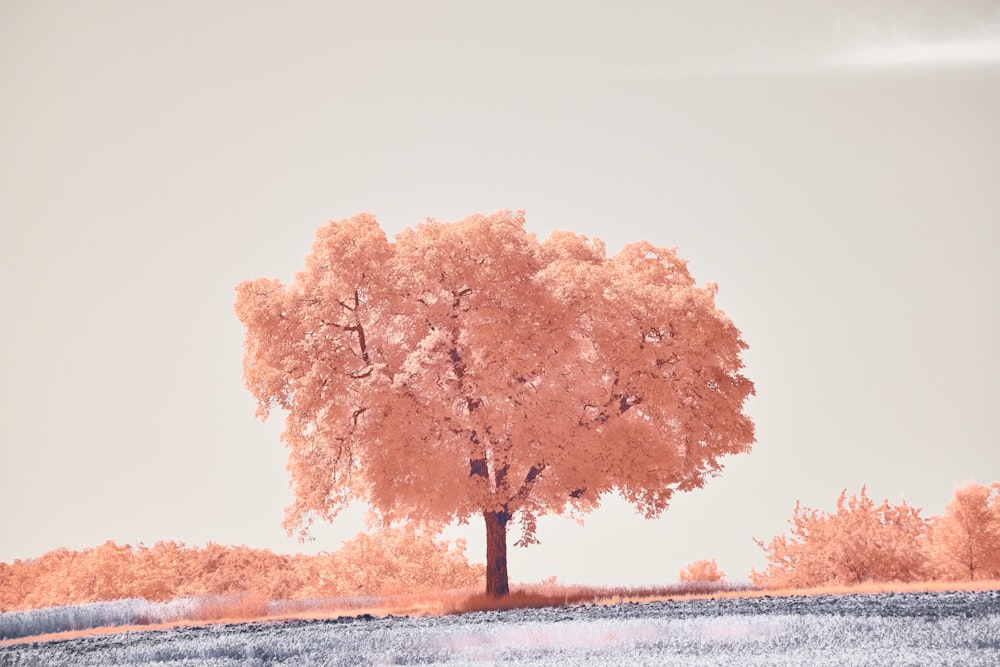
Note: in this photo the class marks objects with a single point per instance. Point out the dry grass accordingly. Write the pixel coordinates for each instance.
(248, 606)
(236, 607)
(531, 596)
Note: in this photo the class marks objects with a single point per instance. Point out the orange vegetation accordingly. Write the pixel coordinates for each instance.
(861, 548)
(863, 543)
(702, 570)
(470, 370)
(387, 562)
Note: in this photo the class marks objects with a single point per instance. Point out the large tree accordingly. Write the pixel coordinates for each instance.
(468, 369)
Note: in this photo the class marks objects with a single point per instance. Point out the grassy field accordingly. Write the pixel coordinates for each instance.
(910, 628)
(133, 615)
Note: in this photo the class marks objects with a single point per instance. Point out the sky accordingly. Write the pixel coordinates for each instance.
(833, 166)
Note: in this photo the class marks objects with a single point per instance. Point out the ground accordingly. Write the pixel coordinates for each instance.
(960, 628)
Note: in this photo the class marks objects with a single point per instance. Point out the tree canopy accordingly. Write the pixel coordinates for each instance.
(469, 369)
(858, 543)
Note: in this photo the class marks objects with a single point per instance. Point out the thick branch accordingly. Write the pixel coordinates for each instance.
(529, 482)
(362, 342)
(500, 477)
(478, 468)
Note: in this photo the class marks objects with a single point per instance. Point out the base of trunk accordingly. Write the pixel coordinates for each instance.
(496, 553)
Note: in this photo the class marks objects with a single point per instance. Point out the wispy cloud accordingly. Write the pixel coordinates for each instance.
(897, 53)
(893, 36)
(915, 36)
(981, 51)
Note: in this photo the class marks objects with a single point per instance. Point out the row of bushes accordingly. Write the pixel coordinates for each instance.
(863, 542)
(385, 562)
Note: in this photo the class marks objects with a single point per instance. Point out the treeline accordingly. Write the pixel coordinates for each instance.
(390, 561)
(860, 542)
(863, 542)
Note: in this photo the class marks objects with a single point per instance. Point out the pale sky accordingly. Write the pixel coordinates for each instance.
(834, 166)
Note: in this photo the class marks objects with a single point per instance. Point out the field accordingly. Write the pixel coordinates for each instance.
(929, 628)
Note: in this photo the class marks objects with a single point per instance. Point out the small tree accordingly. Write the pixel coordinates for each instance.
(860, 542)
(966, 538)
(702, 571)
(468, 369)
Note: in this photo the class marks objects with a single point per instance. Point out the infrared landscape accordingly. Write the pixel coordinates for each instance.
(957, 628)
(584, 333)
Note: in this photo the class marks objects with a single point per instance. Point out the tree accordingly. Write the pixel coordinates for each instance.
(468, 369)
(966, 538)
(860, 542)
(104, 572)
(702, 571)
(159, 570)
(401, 559)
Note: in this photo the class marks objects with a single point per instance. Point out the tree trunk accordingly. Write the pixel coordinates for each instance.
(496, 553)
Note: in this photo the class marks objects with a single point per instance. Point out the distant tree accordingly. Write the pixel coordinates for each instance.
(52, 577)
(702, 571)
(861, 542)
(965, 540)
(402, 560)
(468, 369)
(15, 581)
(159, 571)
(388, 561)
(105, 572)
(233, 569)
(797, 560)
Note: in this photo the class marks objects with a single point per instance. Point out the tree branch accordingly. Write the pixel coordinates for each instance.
(529, 482)
(478, 468)
(362, 343)
(500, 477)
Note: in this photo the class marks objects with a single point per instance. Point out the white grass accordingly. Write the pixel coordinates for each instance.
(14, 624)
(888, 629)
(139, 612)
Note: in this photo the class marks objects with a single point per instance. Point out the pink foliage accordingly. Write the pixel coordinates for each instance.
(702, 571)
(863, 542)
(860, 542)
(965, 540)
(468, 369)
(393, 560)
